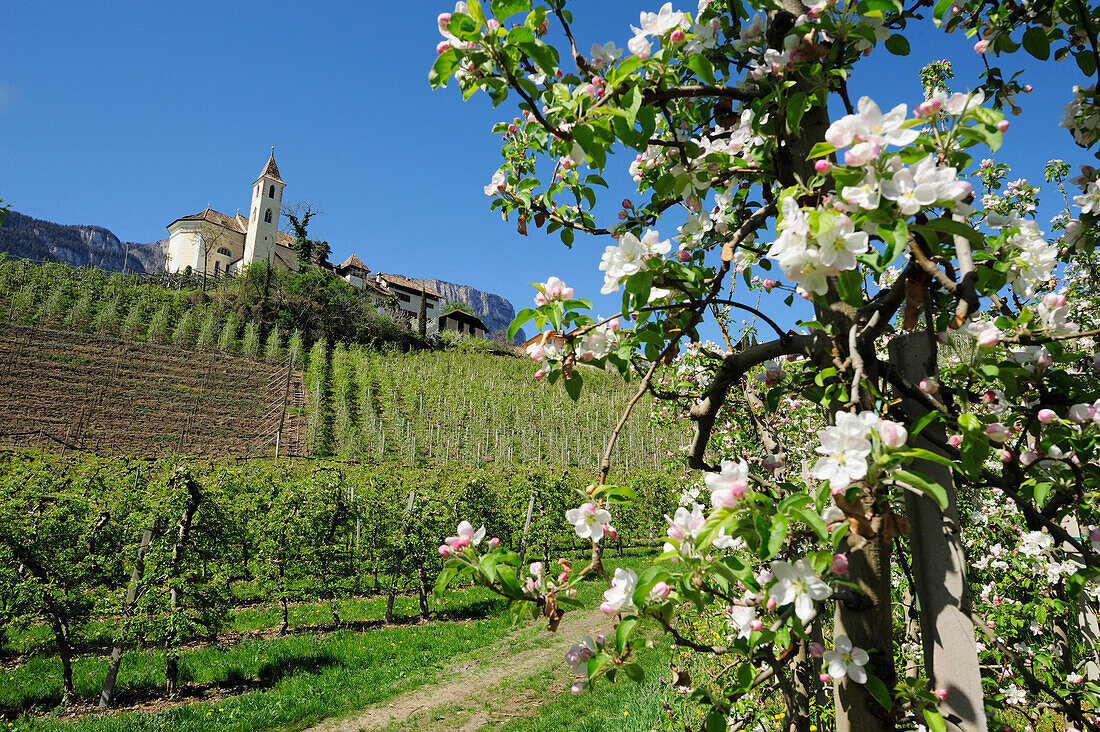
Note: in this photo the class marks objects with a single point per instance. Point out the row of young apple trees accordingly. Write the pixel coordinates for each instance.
(950, 356)
(152, 555)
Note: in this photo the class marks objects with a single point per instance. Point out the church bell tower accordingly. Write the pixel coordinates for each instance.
(263, 219)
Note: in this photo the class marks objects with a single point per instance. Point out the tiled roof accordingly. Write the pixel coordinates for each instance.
(216, 217)
(352, 261)
(463, 315)
(271, 170)
(405, 282)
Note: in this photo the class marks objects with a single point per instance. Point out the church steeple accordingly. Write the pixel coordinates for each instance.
(263, 221)
(271, 170)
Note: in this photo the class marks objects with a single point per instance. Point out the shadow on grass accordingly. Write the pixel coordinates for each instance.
(235, 682)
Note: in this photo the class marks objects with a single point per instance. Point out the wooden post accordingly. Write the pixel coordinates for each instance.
(397, 564)
(939, 566)
(526, 529)
(286, 397)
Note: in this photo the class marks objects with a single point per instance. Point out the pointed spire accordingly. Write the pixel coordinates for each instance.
(271, 170)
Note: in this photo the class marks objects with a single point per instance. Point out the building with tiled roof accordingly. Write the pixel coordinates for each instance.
(210, 242)
(461, 321)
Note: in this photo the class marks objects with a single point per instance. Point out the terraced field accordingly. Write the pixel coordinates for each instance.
(121, 397)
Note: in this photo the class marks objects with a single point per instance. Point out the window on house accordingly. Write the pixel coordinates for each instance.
(267, 216)
(271, 192)
(217, 268)
(225, 251)
(403, 297)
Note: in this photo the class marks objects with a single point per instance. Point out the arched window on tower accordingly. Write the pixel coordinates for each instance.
(271, 192)
(267, 216)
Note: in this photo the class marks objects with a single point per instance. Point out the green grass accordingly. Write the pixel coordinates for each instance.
(282, 683)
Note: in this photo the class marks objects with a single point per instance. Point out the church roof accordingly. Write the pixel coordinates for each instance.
(271, 170)
(216, 217)
(352, 261)
(408, 284)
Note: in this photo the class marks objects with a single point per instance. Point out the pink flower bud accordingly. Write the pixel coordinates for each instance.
(493, 24)
(675, 533)
(443, 47)
(530, 584)
(1046, 416)
(989, 398)
(892, 434)
(677, 36)
(683, 255)
(611, 531)
(444, 550)
(981, 46)
(608, 609)
(1054, 300)
(940, 694)
(460, 542)
(661, 590)
(1027, 457)
(444, 20)
(1002, 126)
(1006, 456)
(771, 604)
(839, 565)
(823, 166)
(824, 678)
(769, 284)
(536, 569)
(954, 440)
(816, 649)
(928, 108)
(988, 337)
(1027, 88)
(563, 577)
(929, 385)
(601, 640)
(998, 432)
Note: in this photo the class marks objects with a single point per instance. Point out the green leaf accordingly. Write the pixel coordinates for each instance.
(1036, 43)
(544, 56)
(634, 672)
(821, 149)
(622, 634)
(895, 240)
(773, 536)
(922, 454)
(521, 317)
(573, 386)
(887, 6)
(930, 488)
(796, 107)
(702, 67)
(623, 70)
(443, 67)
(632, 101)
(716, 720)
(504, 9)
(897, 45)
(850, 286)
(956, 228)
(934, 720)
(879, 691)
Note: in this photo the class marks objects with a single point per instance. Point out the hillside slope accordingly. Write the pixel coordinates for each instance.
(79, 246)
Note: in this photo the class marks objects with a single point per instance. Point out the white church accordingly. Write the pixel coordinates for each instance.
(213, 243)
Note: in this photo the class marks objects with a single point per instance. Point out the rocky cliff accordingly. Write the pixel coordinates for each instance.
(496, 312)
(31, 238)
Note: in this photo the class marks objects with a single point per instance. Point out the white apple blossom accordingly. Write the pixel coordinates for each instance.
(1014, 695)
(620, 596)
(496, 185)
(958, 103)
(798, 584)
(628, 257)
(588, 521)
(1089, 201)
(1082, 118)
(869, 124)
(578, 654)
(741, 618)
(866, 195)
(640, 46)
(728, 486)
(839, 242)
(604, 54)
(846, 660)
(1036, 544)
(659, 23)
(466, 536)
(553, 289)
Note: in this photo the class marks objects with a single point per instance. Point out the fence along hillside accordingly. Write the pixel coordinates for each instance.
(120, 397)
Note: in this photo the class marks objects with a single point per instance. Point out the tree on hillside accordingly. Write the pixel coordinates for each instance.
(812, 572)
(211, 238)
(297, 216)
(458, 305)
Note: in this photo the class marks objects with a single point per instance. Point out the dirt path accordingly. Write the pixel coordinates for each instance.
(470, 697)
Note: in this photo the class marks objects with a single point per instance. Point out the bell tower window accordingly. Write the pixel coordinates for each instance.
(271, 192)
(267, 216)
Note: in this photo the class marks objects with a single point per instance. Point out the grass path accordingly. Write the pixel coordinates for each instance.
(478, 693)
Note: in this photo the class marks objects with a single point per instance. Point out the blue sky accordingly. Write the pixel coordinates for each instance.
(131, 114)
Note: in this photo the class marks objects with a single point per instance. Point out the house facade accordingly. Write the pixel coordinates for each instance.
(213, 243)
